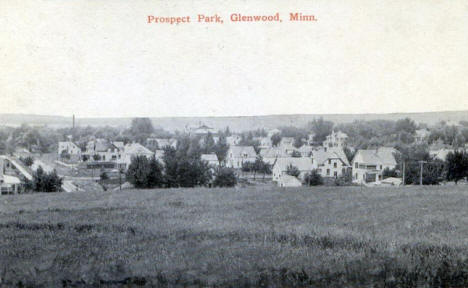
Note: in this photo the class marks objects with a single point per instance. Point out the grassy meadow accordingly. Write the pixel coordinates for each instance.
(246, 237)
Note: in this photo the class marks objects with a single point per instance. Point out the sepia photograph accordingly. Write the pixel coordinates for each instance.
(234, 143)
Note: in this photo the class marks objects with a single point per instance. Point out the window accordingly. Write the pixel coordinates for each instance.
(335, 165)
(356, 165)
(329, 161)
(328, 172)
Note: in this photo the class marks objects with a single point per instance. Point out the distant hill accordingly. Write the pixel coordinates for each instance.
(240, 123)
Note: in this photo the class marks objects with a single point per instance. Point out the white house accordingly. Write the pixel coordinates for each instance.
(289, 181)
(303, 164)
(212, 159)
(265, 142)
(368, 165)
(337, 139)
(233, 140)
(269, 155)
(133, 150)
(161, 142)
(421, 135)
(237, 155)
(107, 151)
(8, 184)
(69, 147)
(331, 162)
(441, 154)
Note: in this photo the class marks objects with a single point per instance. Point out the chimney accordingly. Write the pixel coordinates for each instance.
(73, 121)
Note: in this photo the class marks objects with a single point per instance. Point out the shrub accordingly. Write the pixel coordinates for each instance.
(313, 178)
(28, 161)
(144, 173)
(46, 182)
(225, 177)
(293, 171)
(104, 175)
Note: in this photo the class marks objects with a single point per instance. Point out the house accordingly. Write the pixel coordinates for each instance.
(331, 162)
(161, 142)
(212, 159)
(159, 154)
(8, 184)
(105, 150)
(305, 150)
(289, 181)
(265, 142)
(421, 135)
(233, 140)
(200, 130)
(441, 154)
(133, 150)
(70, 148)
(273, 132)
(280, 168)
(237, 155)
(392, 181)
(269, 155)
(310, 140)
(287, 145)
(337, 139)
(368, 165)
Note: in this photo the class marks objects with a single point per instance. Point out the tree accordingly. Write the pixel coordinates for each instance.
(298, 141)
(387, 172)
(28, 161)
(457, 166)
(221, 148)
(144, 173)
(155, 176)
(321, 129)
(208, 143)
(296, 154)
(103, 176)
(138, 171)
(293, 171)
(141, 126)
(275, 139)
(65, 155)
(225, 177)
(405, 125)
(46, 182)
(96, 157)
(349, 154)
(313, 178)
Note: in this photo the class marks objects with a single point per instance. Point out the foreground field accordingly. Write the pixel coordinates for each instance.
(270, 237)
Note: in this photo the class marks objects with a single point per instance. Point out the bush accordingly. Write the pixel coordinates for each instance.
(457, 166)
(65, 155)
(104, 176)
(225, 177)
(293, 171)
(46, 182)
(313, 178)
(144, 173)
(28, 161)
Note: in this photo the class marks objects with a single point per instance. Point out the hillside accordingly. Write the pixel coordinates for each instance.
(235, 123)
(249, 237)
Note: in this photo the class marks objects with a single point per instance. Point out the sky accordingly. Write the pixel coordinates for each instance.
(102, 58)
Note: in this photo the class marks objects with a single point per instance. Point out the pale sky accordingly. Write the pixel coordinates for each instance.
(101, 58)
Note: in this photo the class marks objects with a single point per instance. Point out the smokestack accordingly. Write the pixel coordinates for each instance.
(73, 121)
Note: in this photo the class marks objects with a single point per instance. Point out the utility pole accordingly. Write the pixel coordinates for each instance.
(404, 167)
(421, 163)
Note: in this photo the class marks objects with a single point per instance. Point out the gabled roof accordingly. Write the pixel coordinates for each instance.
(238, 151)
(321, 156)
(383, 155)
(302, 163)
(209, 157)
(137, 149)
(272, 152)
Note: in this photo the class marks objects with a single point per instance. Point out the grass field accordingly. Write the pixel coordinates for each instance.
(270, 237)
